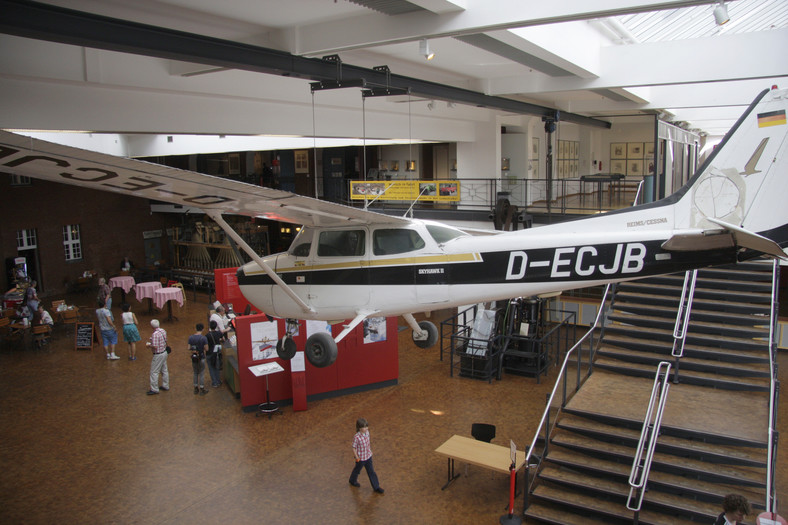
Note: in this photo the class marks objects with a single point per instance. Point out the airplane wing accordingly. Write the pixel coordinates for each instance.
(39, 159)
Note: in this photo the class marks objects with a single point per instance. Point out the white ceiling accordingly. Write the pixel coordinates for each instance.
(590, 57)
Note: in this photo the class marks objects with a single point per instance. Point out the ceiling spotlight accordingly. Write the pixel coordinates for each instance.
(424, 49)
(721, 14)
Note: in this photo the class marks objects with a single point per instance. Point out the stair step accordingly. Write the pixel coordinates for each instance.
(696, 327)
(702, 352)
(698, 314)
(672, 301)
(654, 500)
(717, 453)
(714, 283)
(686, 363)
(662, 289)
(693, 338)
(706, 490)
(694, 377)
(545, 512)
(602, 508)
(665, 462)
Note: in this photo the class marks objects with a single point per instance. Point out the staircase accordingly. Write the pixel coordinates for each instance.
(713, 439)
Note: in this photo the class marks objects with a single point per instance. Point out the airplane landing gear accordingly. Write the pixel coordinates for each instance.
(321, 349)
(286, 346)
(425, 333)
(428, 335)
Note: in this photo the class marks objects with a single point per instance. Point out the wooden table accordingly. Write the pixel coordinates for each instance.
(166, 295)
(479, 453)
(145, 291)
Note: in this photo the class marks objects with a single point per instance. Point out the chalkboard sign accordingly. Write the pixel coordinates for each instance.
(84, 336)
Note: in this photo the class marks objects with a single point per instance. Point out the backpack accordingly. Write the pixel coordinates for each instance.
(195, 353)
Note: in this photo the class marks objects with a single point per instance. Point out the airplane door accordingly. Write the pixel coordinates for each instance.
(340, 275)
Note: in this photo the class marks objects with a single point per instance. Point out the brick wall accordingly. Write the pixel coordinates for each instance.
(111, 226)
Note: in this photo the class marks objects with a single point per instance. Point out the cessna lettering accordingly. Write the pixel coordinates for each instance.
(583, 261)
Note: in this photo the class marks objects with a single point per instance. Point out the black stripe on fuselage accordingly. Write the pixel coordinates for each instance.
(614, 261)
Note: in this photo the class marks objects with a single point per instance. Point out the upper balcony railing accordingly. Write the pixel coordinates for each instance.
(589, 194)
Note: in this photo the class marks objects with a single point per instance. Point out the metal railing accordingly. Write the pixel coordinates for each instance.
(559, 196)
(544, 422)
(641, 464)
(774, 390)
(682, 318)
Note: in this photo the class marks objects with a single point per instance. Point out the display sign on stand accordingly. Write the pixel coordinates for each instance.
(83, 336)
(266, 369)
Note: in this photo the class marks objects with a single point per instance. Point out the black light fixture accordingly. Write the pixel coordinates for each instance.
(721, 14)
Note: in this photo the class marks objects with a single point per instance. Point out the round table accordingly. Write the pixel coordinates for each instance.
(166, 295)
(145, 291)
(124, 282)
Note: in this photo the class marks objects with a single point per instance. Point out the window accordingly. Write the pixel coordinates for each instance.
(443, 234)
(20, 180)
(391, 241)
(302, 243)
(342, 243)
(26, 239)
(72, 244)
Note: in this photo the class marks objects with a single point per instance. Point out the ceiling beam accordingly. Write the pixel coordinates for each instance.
(67, 26)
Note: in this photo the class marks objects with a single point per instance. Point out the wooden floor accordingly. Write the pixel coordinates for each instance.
(80, 442)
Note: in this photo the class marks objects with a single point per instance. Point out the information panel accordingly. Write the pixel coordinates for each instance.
(83, 338)
(406, 190)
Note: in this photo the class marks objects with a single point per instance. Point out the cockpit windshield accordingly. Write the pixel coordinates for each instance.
(302, 243)
(443, 234)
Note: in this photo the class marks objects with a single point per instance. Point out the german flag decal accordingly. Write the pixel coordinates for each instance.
(772, 118)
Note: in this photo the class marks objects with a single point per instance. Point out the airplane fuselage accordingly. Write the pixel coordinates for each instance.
(469, 269)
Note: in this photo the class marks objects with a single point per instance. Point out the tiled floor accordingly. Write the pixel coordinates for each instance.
(80, 442)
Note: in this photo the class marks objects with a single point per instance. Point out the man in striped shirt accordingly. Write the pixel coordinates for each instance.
(362, 451)
(158, 345)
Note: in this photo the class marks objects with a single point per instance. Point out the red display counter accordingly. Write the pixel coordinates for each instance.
(362, 362)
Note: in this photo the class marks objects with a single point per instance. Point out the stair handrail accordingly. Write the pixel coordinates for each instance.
(641, 465)
(530, 449)
(637, 193)
(771, 461)
(683, 313)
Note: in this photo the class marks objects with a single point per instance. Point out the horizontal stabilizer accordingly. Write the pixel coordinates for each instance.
(751, 240)
(699, 240)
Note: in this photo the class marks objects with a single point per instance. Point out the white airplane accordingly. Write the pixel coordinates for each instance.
(351, 263)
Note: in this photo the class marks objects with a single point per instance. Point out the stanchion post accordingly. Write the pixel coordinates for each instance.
(511, 519)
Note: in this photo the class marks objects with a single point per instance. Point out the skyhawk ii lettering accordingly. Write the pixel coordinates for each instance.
(347, 264)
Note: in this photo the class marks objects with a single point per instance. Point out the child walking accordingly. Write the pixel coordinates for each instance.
(130, 332)
(363, 454)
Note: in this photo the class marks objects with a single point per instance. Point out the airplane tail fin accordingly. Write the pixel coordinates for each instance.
(743, 186)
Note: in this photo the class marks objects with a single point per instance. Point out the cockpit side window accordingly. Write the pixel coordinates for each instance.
(391, 241)
(341, 243)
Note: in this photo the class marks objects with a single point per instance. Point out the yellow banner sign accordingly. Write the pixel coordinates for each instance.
(406, 190)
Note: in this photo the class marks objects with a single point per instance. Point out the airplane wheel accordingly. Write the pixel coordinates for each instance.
(321, 350)
(432, 335)
(286, 348)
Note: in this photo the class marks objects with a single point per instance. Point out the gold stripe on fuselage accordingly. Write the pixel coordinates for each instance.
(399, 261)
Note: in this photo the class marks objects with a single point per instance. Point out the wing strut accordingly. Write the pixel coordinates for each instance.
(216, 216)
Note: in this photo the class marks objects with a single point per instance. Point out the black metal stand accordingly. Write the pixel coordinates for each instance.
(269, 407)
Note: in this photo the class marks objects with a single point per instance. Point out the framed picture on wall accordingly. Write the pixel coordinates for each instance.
(618, 166)
(648, 149)
(634, 167)
(301, 161)
(394, 165)
(535, 148)
(618, 150)
(234, 163)
(634, 150)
